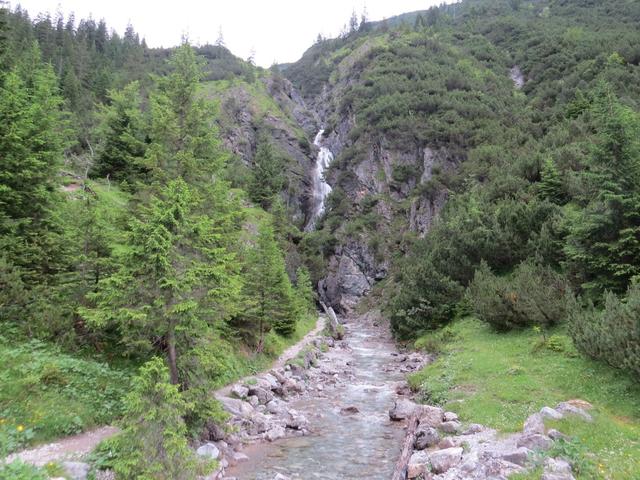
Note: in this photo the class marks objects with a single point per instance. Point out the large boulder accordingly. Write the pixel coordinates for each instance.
(240, 391)
(208, 451)
(443, 460)
(450, 427)
(236, 406)
(264, 395)
(418, 464)
(550, 413)
(535, 441)
(426, 437)
(402, 409)
(518, 456)
(557, 469)
(431, 416)
(570, 408)
(276, 432)
(534, 424)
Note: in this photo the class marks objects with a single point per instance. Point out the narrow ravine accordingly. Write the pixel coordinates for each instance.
(351, 434)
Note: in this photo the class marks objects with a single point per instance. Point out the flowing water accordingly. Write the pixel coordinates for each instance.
(321, 189)
(342, 447)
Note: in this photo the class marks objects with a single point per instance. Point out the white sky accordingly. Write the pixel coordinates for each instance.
(278, 30)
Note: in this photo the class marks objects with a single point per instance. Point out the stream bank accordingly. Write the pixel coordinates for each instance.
(337, 425)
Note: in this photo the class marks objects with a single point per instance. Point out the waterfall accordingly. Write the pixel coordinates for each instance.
(320, 187)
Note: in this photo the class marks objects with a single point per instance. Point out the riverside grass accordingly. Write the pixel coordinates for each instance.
(498, 379)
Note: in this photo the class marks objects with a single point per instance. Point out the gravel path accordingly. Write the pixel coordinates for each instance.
(69, 448)
(75, 447)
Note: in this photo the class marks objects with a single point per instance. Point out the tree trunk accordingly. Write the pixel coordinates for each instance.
(172, 355)
(400, 472)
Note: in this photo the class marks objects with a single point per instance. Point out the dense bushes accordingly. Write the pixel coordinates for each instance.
(611, 334)
(531, 295)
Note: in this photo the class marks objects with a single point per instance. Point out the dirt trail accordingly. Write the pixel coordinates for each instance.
(75, 447)
(69, 448)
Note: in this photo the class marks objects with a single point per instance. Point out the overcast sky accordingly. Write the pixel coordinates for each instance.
(278, 30)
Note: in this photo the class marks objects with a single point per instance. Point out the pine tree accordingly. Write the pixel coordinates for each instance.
(268, 293)
(175, 282)
(551, 186)
(268, 177)
(305, 295)
(183, 139)
(153, 443)
(122, 149)
(603, 246)
(32, 143)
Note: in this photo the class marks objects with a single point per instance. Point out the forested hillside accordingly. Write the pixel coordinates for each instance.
(157, 237)
(127, 240)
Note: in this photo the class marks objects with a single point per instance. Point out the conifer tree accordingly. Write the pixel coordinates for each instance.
(122, 148)
(269, 297)
(551, 186)
(153, 444)
(603, 247)
(175, 282)
(267, 178)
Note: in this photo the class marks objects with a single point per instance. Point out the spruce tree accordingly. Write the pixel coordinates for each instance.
(122, 147)
(153, 443)
(268, 177)
(174, 281)
(602, 246)
(268, 294)
(551, 186)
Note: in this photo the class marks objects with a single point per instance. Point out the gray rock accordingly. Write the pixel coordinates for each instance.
(253, 400)
(519, 456)
(236, 406)
(446, 442)
(566, 408)
(551, 413)
(280, 476)
(534, 424)
(450, 427)
(272, 380)
(240, 391)
(295, 420)
(351, 410)
(557, 469)
(431, 416)
(473, 428)
(264, 395)
(418, 464)
(443, 460)
(275, 433)
(402, 409)
(535, 441)
(450, 417)
(260, 423)
(554, 434)
(275, 407)
(239, 457)
(76, 470)
(208, 450)
(426, 437)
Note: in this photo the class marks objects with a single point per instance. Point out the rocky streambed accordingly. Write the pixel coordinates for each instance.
(324, 415)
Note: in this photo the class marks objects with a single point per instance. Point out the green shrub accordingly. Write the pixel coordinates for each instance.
(531, 295)
(611, 334)
(21, 471)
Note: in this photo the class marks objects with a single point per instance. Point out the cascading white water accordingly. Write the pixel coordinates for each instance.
(321, 189)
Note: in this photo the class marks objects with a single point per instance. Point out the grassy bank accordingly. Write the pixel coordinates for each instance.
(500, 379)
(48, 394)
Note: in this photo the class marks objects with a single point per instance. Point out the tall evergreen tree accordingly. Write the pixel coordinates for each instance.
(174, 283)
(268, 177)
(268, 293)
(603, 246)
(122, 149)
